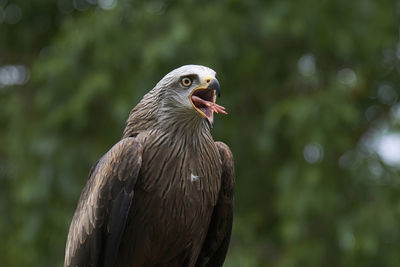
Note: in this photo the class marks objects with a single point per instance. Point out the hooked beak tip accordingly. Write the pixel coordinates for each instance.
(214, 85)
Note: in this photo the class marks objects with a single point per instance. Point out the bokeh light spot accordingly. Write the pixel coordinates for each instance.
(371, 112)
(387, 95)
(388, 148)
(13, 14)
(313, 153)
(306, 65)
(13, 75)
(347, 77)
(107, 4)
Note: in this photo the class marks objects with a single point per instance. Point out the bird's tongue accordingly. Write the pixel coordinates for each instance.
(210, 105)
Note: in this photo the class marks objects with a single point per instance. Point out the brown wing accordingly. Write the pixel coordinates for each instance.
(99, 219)
(216, 244)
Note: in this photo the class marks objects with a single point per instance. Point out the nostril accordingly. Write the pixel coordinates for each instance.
(208, 80)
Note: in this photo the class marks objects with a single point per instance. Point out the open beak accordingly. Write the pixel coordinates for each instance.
(203, 100)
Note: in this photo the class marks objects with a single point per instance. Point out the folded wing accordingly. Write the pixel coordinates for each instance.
(99, 220)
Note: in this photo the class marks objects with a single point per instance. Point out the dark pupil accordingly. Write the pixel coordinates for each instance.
(186, 81)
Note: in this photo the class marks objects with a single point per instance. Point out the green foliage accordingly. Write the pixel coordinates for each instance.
(301, 80)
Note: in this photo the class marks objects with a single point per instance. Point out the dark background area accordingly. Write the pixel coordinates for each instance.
(311, 88)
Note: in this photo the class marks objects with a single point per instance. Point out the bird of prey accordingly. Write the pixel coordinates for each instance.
(163, 195)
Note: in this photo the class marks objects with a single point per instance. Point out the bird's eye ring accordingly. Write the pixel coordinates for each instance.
(186, 81)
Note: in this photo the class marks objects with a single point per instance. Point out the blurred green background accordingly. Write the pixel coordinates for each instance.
(311, 88)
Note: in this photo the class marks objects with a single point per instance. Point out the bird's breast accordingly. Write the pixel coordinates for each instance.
(178, 171)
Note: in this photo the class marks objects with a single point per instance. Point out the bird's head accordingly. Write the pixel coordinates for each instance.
(192, 89)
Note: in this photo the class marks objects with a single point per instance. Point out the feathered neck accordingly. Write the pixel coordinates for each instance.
(156, 111)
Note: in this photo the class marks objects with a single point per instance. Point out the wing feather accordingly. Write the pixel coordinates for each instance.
(99, 220)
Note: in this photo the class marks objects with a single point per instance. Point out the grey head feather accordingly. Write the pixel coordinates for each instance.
(168, 104)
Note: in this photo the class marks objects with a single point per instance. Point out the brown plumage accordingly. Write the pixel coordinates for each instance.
(163, 195)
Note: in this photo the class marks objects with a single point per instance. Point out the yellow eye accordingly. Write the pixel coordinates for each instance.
(186, 81)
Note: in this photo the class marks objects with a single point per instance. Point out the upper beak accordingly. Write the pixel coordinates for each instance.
(214, 85)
